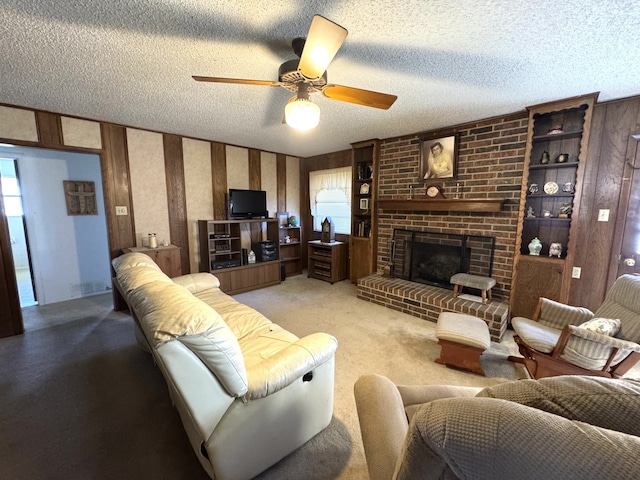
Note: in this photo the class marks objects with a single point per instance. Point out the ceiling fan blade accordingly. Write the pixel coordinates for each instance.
(359, 96)
(324, 39)
(266, 83)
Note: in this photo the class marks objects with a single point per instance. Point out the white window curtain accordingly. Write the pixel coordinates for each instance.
(333, 178)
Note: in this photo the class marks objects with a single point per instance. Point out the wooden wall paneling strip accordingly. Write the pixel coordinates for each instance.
(620, 119)
(281, 168)
(219, 180)
(597, 238)
(628, 197)
(255, 170)
(176, 195)
(49, 128)
(577, 290)
(10, 313)
(114, 164)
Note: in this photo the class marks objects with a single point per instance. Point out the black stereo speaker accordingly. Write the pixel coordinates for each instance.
(265, 251)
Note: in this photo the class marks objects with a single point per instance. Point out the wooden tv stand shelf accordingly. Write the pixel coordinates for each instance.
(221, 245)
(327, 261)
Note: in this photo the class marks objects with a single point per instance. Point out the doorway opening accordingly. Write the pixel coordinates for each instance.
(14, 211)
(60, 254)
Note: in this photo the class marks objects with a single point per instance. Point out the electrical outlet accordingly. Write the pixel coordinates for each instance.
(603, 215)
(121, 210)
(576, 272)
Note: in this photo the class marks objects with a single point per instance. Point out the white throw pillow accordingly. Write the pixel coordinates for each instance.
(605, 326)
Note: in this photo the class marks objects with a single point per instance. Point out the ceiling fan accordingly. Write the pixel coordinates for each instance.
(308, 75)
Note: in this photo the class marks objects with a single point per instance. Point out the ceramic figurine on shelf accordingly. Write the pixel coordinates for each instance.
(562, 158)
(530, 212)
(545, 158)
(555, 249)
(535, 246)
(565, 210)
(533, 188)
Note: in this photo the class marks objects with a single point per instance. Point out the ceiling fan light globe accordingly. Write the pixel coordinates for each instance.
(302, 114)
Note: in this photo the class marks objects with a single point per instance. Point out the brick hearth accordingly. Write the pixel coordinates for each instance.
(427, 302)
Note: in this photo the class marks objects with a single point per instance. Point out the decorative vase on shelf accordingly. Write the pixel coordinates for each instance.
(535, 246)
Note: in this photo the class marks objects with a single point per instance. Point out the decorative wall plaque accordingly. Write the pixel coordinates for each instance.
(80, 197)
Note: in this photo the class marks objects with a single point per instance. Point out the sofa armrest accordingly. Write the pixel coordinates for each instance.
(487, 438)
(197, 282)
(289, 364)
(383, 424)
(557, 315)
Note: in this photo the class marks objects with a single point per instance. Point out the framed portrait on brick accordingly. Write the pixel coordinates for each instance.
(438, 158)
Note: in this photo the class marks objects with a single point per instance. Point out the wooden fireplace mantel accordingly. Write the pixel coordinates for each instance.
(444, 205)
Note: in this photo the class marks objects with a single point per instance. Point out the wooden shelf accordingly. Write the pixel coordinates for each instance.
(443, 205)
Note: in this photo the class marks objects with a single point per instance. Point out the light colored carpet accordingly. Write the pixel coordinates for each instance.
(81, 400)
(371, 339)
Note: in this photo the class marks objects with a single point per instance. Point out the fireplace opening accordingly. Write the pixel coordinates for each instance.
(435, 264)
(433, 258)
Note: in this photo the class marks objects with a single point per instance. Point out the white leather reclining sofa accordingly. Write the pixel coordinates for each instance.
(248, 392)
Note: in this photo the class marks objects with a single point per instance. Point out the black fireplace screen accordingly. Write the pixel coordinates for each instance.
(433, 258)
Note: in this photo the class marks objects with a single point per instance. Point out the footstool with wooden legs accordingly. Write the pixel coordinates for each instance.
(484, 284)
(463, 339)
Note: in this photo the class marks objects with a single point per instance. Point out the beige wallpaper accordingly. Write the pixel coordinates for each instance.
(81, 133)
(198, 191)
(269, 180)
(293, 186)
(237, 167)
(148, 185)
(18, 124)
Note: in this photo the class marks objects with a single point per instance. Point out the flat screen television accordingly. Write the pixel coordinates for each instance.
(247, 204)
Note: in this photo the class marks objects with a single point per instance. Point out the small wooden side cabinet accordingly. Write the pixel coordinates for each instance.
(167, 258)
(327, 261)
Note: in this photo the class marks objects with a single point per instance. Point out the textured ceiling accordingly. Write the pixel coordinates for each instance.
(130, 62)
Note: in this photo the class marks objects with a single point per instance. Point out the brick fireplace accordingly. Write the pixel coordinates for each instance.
(490, 167)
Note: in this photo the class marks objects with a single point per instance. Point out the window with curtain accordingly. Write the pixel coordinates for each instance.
(330, 196)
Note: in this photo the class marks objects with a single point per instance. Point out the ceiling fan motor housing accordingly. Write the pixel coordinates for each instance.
(290, 76)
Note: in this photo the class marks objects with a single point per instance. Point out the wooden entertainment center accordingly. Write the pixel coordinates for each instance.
(221, 253)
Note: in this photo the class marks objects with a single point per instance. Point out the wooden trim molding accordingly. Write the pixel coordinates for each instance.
(10, 313)
(255, 170)
(49, 128)
(281, 174)
(444, 205)
(176, 193)
(219, 179)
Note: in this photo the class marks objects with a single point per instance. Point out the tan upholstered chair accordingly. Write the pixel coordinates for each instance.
(557, 341)
(571, 427)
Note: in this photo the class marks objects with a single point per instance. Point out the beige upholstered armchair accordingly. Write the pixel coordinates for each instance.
(566, 340)
(571, 427)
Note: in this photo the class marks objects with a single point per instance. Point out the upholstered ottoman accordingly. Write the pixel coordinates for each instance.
(484, 284)
(463, 339)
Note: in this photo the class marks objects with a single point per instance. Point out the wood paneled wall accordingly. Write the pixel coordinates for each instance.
(116, 179)
(612, 125)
